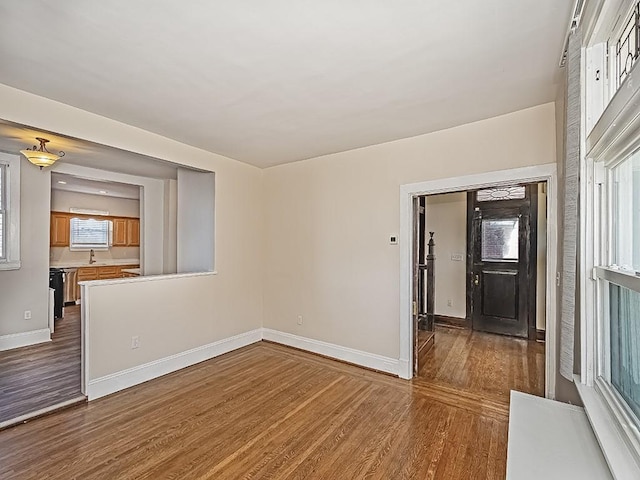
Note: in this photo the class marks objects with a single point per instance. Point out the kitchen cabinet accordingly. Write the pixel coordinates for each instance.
(133, 232)
(84, 275)
(126, 232)
(119, 232)
(101, 272)
(59, 230)
(105, 273)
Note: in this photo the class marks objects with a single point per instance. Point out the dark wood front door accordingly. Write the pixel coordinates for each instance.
(502, 247)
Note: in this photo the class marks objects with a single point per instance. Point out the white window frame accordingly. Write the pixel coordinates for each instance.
(78, 247)
(608, 141)
(12, 212)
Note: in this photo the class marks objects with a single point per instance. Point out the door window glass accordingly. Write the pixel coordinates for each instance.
(501, 193)
(500, 239)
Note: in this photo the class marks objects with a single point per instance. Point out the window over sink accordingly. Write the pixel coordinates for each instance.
(90, 233)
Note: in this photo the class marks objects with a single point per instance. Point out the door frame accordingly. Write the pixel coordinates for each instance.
(539, 173)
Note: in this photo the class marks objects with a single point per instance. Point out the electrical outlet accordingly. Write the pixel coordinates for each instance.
(299, 319)
(27, 314)
(457, 257)
(135, 342)
(449, 303)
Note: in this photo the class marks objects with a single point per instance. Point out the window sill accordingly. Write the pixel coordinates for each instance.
(10, 265)
(621, 459)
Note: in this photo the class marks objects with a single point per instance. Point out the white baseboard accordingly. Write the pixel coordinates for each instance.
(24, 339)
(133, 376)
(357, 357)
(405, 369)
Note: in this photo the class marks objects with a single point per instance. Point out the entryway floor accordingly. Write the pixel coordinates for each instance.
(40, 376)
(484, 363)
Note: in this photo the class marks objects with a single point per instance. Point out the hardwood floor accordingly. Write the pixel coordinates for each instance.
(267, 411)
(484, 364)
(39, 376)
(425, 343)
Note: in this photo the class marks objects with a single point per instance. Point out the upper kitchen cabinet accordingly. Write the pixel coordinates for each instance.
(59, 229)
(120, 232)
(126, 232)
(133, 232)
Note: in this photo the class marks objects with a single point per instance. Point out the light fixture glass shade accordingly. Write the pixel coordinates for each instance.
(41, 159)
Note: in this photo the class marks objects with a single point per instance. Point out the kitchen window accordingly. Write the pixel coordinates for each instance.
(9, 212)
(90, 233)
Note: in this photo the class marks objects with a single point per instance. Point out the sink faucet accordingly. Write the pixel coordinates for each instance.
(91, 255)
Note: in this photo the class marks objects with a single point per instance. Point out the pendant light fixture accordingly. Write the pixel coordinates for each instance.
(41, 156)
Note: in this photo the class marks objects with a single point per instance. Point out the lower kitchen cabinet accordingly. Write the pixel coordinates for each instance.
(102, 272)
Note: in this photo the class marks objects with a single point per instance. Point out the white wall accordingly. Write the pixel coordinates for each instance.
(235, 293)
(170, 226)
(169, 315)
(447, 217)
(62, 200)
(328, 222)
(28, 287)
(195, 221)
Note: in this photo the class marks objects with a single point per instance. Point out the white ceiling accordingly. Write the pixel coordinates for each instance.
(72, 183)
(269, 82)
(15, 137)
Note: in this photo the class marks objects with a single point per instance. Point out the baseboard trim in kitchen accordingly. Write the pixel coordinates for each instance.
(24, 339)
(115, 382)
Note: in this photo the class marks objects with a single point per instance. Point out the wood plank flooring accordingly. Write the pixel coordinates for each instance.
(267, 411)
(39, 376)
(484, 364)
(425, 343)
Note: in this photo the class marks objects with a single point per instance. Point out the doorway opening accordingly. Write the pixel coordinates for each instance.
(545, 295)
(476, 276)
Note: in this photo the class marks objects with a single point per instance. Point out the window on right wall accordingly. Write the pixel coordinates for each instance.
(617, 270)
(610, 233)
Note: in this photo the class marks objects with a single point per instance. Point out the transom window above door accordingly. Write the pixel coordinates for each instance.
(516, 192)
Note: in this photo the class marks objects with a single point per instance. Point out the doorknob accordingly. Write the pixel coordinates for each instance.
(476, 280)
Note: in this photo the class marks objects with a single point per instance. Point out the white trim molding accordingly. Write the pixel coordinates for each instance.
(130, 377)
(539, 173)
(12, 260)
(24, 339)
(338, 352)
(620, 457)
(115, 382)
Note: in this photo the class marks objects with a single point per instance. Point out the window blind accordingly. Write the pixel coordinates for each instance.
(90, 233)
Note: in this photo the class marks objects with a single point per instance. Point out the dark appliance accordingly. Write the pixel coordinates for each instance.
(56, 281)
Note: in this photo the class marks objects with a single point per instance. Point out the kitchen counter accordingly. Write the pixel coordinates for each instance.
(100, 263)
(133, 271)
